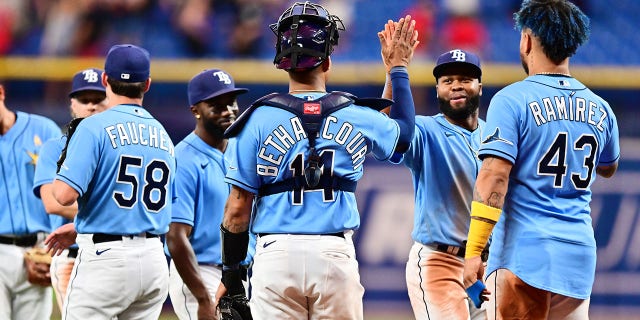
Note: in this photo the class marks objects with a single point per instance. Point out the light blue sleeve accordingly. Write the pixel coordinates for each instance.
(82, 155)
(385, 133)
(611, 150)
(412, 157)
(501, 135)
(241, 160)
(47, 163)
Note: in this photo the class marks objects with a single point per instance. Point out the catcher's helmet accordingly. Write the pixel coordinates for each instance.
(306, 34)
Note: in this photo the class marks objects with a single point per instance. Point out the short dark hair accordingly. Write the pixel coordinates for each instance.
(559, 24)
(134, 90)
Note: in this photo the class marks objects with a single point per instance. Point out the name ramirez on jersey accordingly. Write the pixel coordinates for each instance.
(568, 108)
(282, 141)
(122, 134)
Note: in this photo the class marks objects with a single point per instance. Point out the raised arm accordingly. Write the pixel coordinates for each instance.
(399, 55)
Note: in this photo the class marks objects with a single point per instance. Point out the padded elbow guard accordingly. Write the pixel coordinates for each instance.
(234, 246)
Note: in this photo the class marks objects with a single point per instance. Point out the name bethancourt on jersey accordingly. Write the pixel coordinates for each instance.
(123, 134)
(573, 109)
(282, 141)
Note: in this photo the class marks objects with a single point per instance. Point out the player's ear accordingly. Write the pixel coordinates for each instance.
(326, 64)
(103, 78)
(147, 85)
(525, 41)
(194, 111)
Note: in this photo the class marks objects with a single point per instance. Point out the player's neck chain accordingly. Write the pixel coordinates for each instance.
(553, 74)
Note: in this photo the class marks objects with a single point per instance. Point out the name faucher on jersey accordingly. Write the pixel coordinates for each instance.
(121, 134)
(282, 140)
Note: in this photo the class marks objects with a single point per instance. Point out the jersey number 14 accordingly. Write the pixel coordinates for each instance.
(297, 168)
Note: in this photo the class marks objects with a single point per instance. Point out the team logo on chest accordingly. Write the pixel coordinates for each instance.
(33, 155)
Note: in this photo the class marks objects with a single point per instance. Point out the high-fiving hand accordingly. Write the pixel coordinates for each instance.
(398, 42)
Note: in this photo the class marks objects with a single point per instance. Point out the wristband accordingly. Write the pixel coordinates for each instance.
(475, 293)
(480, 229)
(234, 246)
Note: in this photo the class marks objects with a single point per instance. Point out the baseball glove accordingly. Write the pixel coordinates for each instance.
(234, 307)
(71, 129)
(38, 255)
(37, 262)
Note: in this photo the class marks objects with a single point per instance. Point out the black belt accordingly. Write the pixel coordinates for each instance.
(28, 240)
(335, 234)
(460, 251)
(73, 253)
(103, 237)
(456, 251)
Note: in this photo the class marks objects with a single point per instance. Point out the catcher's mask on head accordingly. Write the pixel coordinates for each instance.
(306, 34)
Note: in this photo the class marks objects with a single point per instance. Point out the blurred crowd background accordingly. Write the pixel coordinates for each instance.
(239, 28)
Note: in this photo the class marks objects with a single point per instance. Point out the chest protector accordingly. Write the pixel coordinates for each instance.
(311, 115)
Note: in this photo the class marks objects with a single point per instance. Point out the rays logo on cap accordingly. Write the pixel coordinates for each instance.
(90, 75)
(222, 77)
(458, 55)
(468, 60)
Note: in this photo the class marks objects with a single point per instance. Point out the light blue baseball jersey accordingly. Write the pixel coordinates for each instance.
(46, 172)
(20, 211)
(273, 147)
(444, 165)
(122, 164)
(201, 194)
(556, 132)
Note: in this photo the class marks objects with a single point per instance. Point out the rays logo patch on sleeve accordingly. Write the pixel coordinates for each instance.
(495, 136)
(312, 108)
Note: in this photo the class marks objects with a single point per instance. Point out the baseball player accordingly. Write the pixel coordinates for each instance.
(194, 247)
(297, 157)
(87, 97)
(545, 140)
(24, 285)
(444, 164)
(119, 166)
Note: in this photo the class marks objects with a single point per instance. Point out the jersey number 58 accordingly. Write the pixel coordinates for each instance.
(154, 190)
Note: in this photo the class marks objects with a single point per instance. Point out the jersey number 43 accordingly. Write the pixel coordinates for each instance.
(554, 162)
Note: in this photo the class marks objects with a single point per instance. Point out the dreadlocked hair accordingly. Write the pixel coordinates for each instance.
(560, 26)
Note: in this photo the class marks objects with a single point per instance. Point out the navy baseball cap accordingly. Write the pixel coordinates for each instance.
(127, 63)
(211, 83)
(89, 79)
(457, 56)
